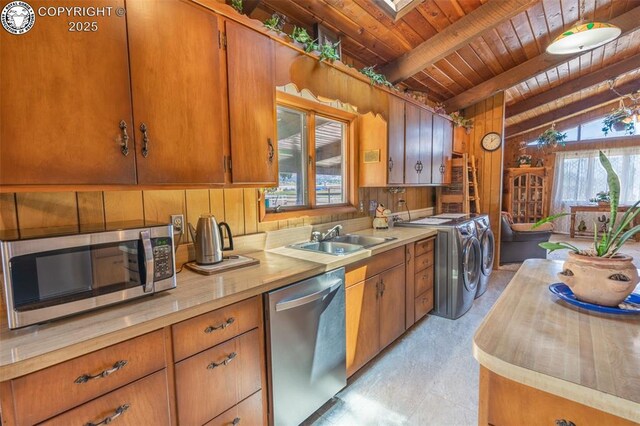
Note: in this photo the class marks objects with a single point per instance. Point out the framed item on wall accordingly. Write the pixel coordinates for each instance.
(324, 35)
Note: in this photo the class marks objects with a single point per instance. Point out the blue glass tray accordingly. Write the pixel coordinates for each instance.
(564, 292)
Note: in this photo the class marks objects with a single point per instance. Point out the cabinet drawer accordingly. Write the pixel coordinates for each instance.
(144, 402)
(248, 412)
(207, 330)
(211, 382)
(51, 391)
(424, 280)
(424, 304)
(374, 265)
(424, 246)
(424, 261)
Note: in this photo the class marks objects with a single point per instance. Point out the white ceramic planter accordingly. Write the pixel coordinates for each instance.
(600, 280)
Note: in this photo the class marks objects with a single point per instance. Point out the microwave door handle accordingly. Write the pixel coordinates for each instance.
(148, 260)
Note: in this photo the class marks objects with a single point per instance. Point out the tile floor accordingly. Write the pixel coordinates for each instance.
(429, 375)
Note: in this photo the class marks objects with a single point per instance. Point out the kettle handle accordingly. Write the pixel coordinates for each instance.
(220, 225)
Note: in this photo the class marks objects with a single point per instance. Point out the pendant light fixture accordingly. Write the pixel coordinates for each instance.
(585, 35)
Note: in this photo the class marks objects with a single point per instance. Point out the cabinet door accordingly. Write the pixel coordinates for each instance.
(447, 149)
(426, 137)
(392, 305)
(438, 150)
(412, 144)
(396, 141)
(252, 112)
(175, 76)
(363, 340)
(63, 97)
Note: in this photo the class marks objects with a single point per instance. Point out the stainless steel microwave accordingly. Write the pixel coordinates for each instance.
(47, 277)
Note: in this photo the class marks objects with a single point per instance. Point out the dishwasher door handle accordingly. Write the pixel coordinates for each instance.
(304, 300)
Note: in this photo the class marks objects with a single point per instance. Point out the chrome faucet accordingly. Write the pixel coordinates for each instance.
(317, 237)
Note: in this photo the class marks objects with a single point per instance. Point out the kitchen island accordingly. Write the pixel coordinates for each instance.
(543, 361)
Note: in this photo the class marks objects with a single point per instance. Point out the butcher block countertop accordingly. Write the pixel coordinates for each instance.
(35, 347)
(533, 338)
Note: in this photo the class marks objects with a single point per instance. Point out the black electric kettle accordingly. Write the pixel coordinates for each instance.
(208, 240)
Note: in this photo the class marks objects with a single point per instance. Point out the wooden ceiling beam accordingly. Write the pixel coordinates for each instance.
(575, 85)
(572, 108)
(628, 22)
(453, 37)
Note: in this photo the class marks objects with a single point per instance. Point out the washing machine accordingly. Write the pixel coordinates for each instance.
(487, 250)
(457, 264)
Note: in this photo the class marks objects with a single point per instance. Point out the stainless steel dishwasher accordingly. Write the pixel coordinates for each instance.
(306, 346)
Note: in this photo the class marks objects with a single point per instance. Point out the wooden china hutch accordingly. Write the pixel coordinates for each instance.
(525, 194)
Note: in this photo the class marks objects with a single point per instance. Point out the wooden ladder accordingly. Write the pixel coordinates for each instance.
(472, 189)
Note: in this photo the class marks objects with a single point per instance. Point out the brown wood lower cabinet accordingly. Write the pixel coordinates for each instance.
(211, 382)
(504, 402)
(247, 413)
(144, 402)
(420, 276)
(375, 306)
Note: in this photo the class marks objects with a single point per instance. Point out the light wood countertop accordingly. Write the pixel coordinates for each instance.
(533, 338)
(35, 347)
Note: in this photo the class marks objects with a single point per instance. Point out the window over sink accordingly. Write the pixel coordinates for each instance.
(314, 154)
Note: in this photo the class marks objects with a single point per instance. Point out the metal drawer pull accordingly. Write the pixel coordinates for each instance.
(226, 361)
(145, 140)
(383, 287)
(86, 377)
(119, 411)
(563, 422)
(390, 163)
(124, 145)
(236, 421)
(222, 326)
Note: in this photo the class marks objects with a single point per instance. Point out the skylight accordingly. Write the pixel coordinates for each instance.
(397, 8)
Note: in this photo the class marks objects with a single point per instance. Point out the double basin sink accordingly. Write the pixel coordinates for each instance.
(343, 244)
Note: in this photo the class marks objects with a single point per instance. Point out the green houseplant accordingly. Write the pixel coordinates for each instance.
(376, 78)
(601, 274)
(619, 119)
(460, 121)
(602, 198)
(524, 160)
(551, 138)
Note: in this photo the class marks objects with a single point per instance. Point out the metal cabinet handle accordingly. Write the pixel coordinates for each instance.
(382, 287)
(417, 167)
(236, 421)
(442, 168)
(563, 422)
(124, 145)
(390, 163)
(118, 412)
(271, 150)
(225, 361)
(145, 139)
(86, 377)
(222, 326)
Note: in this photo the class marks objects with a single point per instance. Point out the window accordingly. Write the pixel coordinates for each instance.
(590, 131)
(313, 153)
(579, 176)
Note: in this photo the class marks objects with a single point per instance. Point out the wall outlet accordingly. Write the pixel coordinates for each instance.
(178, 223)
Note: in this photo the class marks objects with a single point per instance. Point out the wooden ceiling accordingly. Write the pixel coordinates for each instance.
(484, 50)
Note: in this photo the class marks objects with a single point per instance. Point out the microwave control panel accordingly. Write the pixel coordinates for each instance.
(162, 258)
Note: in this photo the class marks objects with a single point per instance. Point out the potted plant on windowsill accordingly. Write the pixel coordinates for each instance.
(601, 274)
(603, 198)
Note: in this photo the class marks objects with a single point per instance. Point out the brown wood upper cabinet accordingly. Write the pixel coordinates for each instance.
(252, 108)
(177, 92)
(64, 97)
(418, 147)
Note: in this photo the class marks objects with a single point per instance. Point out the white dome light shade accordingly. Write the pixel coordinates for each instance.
(583, 37)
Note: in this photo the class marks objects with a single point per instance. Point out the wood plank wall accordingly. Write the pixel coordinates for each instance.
(237, 206)
(488, 116)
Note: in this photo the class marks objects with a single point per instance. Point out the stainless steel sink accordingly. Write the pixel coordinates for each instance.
(362, 240)
(330, 247)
